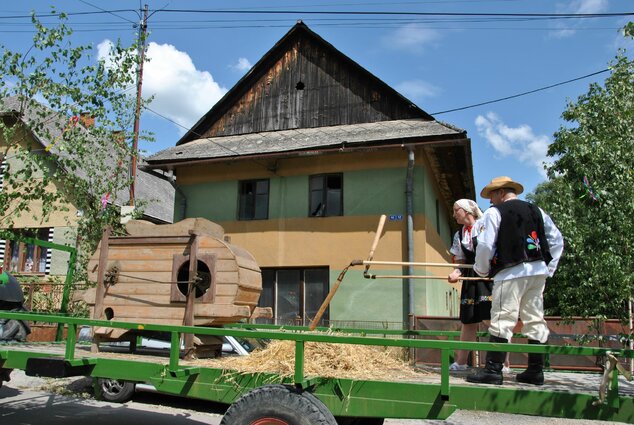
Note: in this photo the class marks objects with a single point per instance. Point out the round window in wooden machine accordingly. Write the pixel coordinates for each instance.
(203, 279)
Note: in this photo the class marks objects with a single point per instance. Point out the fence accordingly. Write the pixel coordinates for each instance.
(587, 332)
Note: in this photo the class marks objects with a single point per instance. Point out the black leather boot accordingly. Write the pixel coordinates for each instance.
(534, 374)
(492, 372)
(5, 375)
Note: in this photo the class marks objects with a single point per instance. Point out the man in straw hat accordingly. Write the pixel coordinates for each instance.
(518, 246)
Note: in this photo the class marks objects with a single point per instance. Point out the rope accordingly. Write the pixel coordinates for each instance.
(196, 280)
(610, 364)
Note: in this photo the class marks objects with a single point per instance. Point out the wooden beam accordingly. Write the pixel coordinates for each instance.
(148, 240)
(101, 289)
(188, 319)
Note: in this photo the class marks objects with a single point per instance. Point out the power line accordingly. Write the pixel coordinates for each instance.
(520, 94)
(348, 25)
(107, 11)
(49, 15)
(391, 13)
(433, 114)
(343, 12)
(419, 3)
(200, 136)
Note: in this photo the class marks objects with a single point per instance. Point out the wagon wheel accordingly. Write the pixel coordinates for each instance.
(277, 405)
(114, 390)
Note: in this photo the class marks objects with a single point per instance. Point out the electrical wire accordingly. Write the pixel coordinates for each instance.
(496, 15)
(520, 94)
(338, 18)
(199, 135)
(433, 17)
(396, 13)
(113, 14)
(49, 15)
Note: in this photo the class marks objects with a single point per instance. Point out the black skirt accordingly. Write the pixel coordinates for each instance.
(475, 300)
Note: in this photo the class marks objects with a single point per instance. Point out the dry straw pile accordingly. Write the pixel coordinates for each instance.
(326, 360)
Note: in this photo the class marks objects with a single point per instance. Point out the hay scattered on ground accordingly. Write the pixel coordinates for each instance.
(325, 360)
(71, 387)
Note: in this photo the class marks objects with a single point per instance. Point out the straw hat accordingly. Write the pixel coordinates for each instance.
(499, 183)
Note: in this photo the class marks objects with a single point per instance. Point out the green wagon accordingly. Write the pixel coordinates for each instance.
(263, 398)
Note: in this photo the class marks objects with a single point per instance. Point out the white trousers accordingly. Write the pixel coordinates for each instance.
(519, 298)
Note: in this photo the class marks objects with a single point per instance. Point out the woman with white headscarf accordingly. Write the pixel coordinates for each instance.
(475, 295)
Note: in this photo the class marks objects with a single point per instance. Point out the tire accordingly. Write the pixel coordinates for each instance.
(9, 330)
(321, 406)
(277, 405)
(114, 390)
(360, 421)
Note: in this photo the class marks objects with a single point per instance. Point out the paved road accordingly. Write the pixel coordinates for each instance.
(34, 401)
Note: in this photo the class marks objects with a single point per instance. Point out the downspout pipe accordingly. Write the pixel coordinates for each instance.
(172, 179)
(409, 208)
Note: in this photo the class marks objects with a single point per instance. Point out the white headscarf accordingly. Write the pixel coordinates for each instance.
(470, 206)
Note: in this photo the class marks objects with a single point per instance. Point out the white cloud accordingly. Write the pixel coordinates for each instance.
(181, 92)
(622, 42)
(566, 27)
(519, 142)
(103, 52)
(242, 65)
(417, 89)
(411, 37)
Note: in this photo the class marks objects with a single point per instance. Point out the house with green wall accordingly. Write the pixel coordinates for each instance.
(27, 260)
(298, 161)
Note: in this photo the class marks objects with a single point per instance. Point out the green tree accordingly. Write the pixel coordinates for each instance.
(43, 91)
(590, 196)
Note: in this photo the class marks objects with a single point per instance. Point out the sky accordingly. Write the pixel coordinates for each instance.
(199, 49)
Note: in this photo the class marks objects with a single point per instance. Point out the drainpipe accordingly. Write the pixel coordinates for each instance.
(172, 179)
(409, 207)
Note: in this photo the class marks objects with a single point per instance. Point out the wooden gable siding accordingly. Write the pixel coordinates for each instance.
(335, 92)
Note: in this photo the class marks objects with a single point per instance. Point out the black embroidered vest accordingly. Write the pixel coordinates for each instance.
(521, 237)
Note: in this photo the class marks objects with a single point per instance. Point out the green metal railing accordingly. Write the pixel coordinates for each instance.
(343, 396)
(68, 282)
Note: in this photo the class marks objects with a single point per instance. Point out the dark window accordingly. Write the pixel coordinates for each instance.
(326, 195)
(21, 257)
(295, 295)
(254, 200)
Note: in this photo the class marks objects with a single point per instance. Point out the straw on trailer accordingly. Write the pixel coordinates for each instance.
(325, 360)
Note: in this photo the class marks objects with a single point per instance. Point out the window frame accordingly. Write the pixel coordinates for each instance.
(39, 252)
(254, 201)
(303, 290)
(323, 206)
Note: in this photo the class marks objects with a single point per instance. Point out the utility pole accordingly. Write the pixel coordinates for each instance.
(137, 115)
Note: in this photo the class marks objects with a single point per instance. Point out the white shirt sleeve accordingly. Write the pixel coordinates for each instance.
(488, 227)
(555, 242)
(456, 249)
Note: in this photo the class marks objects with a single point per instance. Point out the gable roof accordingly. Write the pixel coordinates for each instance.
(338, 105)
(303, 82)
(150, 186)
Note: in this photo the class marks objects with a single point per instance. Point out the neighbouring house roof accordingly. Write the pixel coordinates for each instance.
(151, 186)
(155, 189)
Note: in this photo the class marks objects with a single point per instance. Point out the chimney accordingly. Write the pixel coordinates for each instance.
(86, 119)
(118, 136)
